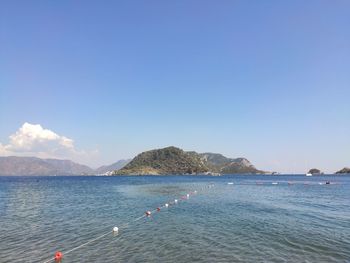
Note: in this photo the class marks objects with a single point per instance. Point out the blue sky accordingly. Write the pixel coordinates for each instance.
(267, 80)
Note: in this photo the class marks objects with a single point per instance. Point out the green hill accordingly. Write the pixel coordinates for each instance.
(172, 160)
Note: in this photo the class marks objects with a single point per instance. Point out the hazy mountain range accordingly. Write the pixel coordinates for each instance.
(169, 160)
(13, 165)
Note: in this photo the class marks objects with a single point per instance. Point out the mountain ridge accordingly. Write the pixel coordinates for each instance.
(112, 167)
(15, 165)
(189, 162)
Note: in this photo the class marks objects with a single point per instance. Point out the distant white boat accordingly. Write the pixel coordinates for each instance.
(309, 174)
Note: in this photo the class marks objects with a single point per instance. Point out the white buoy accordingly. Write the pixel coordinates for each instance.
(188, 195)
(115, 229)
(195, 191)
(175, 201)
(166, 205)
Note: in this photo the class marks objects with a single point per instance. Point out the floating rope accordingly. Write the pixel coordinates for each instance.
(289, 183)
(59, 255)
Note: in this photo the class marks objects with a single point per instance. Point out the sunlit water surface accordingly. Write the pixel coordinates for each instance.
(243, 222)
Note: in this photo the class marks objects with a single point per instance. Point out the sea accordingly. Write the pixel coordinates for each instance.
(238, 218)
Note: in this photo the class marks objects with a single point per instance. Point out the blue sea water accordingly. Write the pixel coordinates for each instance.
(241, 222)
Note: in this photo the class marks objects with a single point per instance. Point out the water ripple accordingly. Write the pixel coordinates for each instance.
(230, 223)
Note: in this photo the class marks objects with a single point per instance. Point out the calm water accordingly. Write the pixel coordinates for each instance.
(243, 222)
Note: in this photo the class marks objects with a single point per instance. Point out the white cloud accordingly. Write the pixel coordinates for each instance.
(34, 140)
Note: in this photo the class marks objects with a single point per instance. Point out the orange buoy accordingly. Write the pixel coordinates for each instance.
(58, 256)
(148, 213)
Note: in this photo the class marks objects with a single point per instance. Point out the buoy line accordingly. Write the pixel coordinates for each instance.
(289, 183)
(59, 255)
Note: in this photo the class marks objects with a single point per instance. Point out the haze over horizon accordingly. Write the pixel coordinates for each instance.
(95, 83)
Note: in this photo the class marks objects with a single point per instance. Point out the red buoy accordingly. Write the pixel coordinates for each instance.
(158, 209)
(148, 213)
(58, 256)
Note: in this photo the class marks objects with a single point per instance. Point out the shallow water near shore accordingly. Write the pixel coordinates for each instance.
(241, 222)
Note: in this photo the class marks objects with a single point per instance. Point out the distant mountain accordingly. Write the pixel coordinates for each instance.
(115, 166)
(13, 165)
(345, 170)
(172, 160)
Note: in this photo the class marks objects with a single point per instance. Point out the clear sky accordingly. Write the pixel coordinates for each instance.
(266, 80)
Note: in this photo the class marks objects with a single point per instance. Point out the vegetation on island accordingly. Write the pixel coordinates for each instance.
(172, 160)
(220, 164)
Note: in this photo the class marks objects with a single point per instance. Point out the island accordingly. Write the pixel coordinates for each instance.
(345, 170)
(315, 171)
(175, 161)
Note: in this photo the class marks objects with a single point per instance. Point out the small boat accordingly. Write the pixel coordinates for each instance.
(309, 174)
